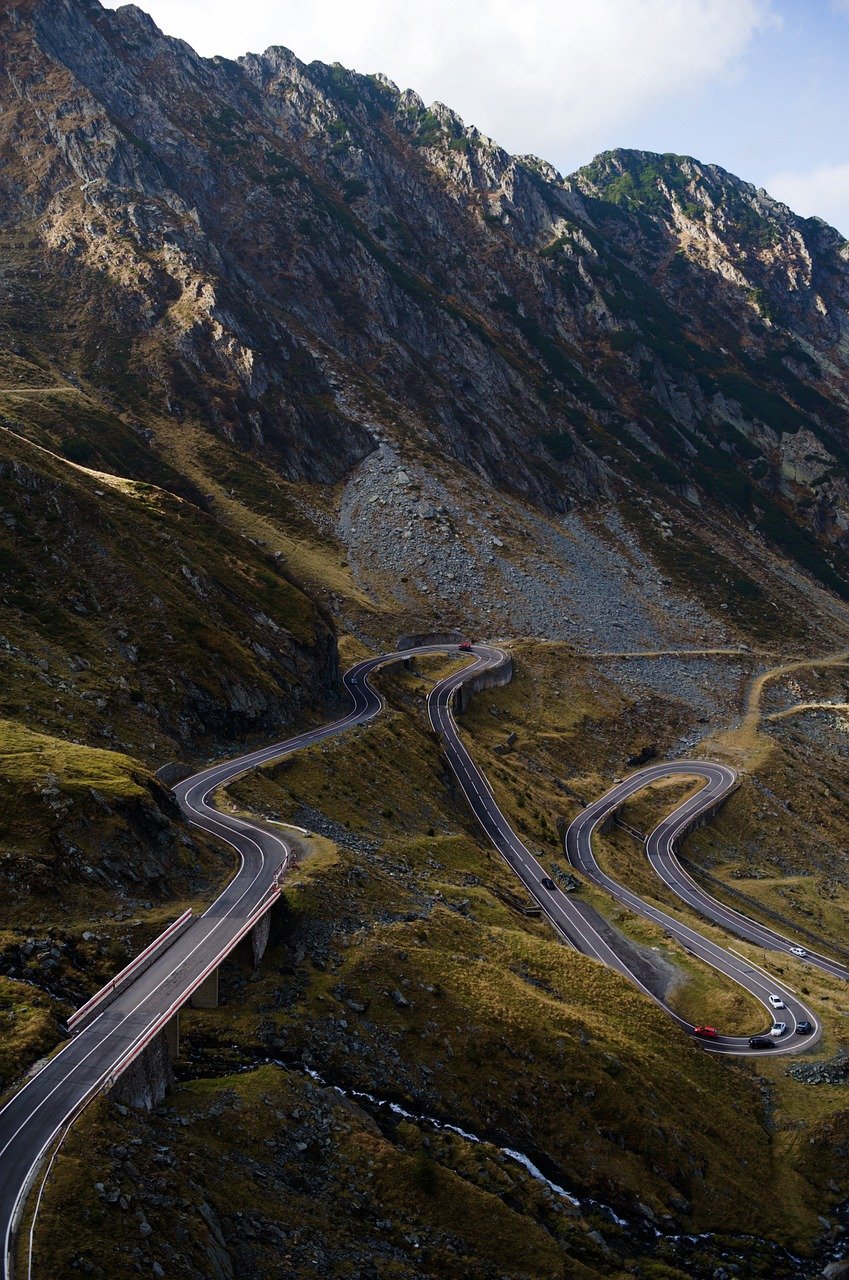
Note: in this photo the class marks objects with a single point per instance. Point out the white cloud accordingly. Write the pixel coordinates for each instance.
(557, 77)
(822, 192)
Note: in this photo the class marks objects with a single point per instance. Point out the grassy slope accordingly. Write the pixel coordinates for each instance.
(133, 629)
(584, 720)
(516, 1033)
(89, 844)
(244, 494)
(781, 839)
(584, 723)
(30, 1027)
(131, 595)
(81, 826)
(411, 1204)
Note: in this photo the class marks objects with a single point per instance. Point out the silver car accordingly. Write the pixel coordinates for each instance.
(778, 1029)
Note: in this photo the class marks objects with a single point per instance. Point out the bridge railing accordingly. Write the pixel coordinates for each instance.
(130, 972)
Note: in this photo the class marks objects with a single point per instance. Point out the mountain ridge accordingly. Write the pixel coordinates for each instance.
(534, 331)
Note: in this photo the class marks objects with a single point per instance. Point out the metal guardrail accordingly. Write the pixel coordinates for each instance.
(794, 926)
(153, 951)
(136, 966)
(632, 831)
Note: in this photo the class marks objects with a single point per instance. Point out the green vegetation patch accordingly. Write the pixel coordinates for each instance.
(28, 758)
(28, 1027)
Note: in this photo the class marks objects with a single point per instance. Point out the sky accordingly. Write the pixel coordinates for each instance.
(760, 87)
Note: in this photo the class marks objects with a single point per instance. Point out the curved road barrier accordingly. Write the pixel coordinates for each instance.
(47, 1103)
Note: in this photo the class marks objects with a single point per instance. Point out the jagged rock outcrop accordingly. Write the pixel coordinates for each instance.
(308, 259)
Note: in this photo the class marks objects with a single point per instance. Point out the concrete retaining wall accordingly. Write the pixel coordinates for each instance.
(493, 678)
(611, 819)
(706, 814)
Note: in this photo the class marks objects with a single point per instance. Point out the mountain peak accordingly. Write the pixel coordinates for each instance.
(651, 181)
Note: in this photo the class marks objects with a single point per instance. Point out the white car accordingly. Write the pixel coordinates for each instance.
(798, 951)
(777, 1029)
(776, 1002)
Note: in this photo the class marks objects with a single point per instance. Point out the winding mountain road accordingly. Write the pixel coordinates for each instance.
(578, 924)
(41, 1110)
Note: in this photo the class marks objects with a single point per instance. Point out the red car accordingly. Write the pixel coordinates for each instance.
(465, 647)
(707, 1033)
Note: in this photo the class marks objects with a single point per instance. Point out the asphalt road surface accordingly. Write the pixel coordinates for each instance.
(577, 923)
(718, 781)
(40, 1111)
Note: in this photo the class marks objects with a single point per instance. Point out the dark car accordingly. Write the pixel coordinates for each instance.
(548, 883)
(465, 647)
(804, 1028)
(760, 1042)
(707, 1033)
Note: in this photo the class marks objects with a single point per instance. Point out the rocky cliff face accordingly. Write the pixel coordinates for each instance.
(753, 340)
(310, 260)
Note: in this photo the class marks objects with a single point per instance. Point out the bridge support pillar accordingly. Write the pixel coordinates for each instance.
(172, 1037)
(259, 937)
(149, 1076)
(206, 995)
